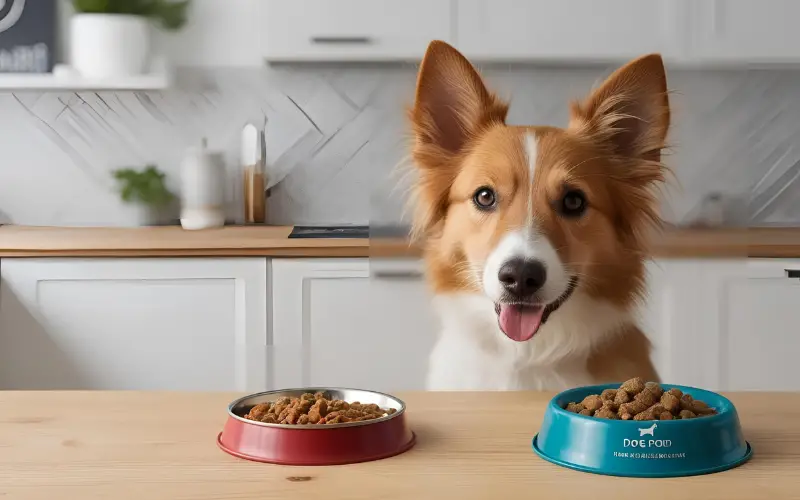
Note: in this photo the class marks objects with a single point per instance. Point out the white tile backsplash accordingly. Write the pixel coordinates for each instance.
(337, 135)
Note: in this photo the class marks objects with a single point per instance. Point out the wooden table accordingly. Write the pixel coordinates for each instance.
(135, 445)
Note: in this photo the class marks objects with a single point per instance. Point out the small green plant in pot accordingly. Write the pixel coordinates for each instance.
(146, 191)
(111, 38)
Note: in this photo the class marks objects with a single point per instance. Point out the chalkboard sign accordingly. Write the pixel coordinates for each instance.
(27, 36)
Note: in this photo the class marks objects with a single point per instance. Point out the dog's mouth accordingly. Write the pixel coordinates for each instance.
(520, 322)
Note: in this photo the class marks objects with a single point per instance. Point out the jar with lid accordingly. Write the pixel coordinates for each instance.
(253, 157)
(202, 195)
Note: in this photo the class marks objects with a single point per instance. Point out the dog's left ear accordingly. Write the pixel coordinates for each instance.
(629, 112)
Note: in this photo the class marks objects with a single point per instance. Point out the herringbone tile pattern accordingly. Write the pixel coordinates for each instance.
(337, 135)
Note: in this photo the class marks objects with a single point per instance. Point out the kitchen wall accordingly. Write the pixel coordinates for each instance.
(337, 139)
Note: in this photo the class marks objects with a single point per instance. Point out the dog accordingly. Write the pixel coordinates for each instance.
(648, 430)
(534, 238)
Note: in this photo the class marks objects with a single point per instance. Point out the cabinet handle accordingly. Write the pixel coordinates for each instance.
(397, 275)
(792, 273)
(342, 40)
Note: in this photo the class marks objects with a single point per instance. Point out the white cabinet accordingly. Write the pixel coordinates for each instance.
(218, 33)
(762, 314)
(568, 30)
(350, 323)
(160, 324)
(685, 317)
(725, 324)
(745, 31)
(353, 30)
(248, 32)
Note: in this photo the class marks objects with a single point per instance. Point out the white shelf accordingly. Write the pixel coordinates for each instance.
(63, 78)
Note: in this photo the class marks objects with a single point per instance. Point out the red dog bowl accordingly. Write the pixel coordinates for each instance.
(321, 444)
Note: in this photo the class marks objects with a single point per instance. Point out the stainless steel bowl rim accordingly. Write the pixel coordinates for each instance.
(315, 427)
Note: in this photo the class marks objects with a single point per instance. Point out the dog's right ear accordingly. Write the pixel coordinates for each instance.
(452, 106)
(452, 103)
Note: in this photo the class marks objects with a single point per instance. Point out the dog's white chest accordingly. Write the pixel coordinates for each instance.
(473, 354)
(458, 367)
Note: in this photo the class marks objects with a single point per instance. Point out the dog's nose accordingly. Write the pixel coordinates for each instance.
(522, 277)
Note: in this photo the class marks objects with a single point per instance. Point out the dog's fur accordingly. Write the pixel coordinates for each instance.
(610, 151)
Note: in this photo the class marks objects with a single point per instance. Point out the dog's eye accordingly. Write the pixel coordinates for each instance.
(484, 198)
(573, 204)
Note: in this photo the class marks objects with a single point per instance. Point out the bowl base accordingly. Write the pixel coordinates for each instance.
(407, 446)
(748, 454)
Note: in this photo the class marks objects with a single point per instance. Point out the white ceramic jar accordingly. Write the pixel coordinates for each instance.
(202, 193)
(109, 45)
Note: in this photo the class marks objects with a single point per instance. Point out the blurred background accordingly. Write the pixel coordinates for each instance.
(285, 120)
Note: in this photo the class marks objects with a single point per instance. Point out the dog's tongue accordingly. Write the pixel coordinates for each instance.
(520, 323)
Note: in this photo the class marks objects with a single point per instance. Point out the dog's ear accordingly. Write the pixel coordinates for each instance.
(629, 112)
(452, 103)
(452, 107)
(629, 117)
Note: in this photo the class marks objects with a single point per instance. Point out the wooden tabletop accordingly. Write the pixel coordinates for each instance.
(170, 241)
(135, 445)
(273, 241)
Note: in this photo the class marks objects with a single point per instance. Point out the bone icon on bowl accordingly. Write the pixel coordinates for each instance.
(648, 431)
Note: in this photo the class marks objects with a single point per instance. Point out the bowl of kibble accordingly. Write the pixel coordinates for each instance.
(642, 429)
(316, 426)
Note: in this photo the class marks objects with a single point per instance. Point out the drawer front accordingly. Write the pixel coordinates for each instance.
(353, 30)
(774, 268)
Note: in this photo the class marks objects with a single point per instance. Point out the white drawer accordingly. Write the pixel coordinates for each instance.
(353, 30)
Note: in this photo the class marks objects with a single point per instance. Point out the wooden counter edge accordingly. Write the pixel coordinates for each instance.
(21, 241)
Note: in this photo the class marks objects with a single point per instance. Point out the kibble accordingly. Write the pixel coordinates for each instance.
(608, 395)
(316, 409)
(592, 403)
(639, 400)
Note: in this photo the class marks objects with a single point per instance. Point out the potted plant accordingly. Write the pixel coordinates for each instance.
(146, 191)
(111, 38)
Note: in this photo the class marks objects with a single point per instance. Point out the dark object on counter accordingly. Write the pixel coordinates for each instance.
(330, 232)
(27, 36)
(389, 231)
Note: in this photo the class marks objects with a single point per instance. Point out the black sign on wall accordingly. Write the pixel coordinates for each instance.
(27, 36)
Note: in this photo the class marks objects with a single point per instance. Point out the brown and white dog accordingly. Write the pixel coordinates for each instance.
(535, 236)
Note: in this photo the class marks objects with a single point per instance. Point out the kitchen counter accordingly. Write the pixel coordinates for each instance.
(469, 446)
(273, 241)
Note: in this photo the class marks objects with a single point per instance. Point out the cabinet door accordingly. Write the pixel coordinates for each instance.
(589, 30)
(150, 324)
(727, 325)
(761, 314)
(218, 33)
(686, 320)
(745, 31)
(334, 325)
(352, 30)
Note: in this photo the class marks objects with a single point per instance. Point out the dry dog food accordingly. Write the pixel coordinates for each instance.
(315, 409)
(640, 400)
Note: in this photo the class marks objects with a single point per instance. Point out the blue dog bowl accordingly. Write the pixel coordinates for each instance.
(653, 448)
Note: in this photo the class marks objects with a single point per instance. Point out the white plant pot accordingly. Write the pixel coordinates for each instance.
(139, 214)
(109, 45)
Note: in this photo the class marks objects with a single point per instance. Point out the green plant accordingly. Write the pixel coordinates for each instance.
(146, 186)
(171, 15)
